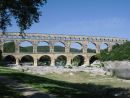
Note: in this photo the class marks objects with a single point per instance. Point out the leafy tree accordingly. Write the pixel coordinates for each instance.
(25, 12)
(0, 56)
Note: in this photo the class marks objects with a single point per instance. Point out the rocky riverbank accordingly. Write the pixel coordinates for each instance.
(120, 69)
(53, 69)
(117, 68)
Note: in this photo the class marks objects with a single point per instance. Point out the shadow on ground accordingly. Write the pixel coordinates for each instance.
(68, 90)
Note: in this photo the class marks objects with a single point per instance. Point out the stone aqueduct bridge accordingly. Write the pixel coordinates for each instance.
(35, 38)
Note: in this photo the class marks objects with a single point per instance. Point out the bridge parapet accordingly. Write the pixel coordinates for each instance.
(60, 37)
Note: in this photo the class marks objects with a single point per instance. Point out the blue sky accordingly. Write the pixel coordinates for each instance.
(84, 17)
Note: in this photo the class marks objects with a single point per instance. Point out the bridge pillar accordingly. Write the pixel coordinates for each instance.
(52, 61)
(84, 48)
(86, 61)
(16, 46)
(51, 45)
(68, 61)
(67, 47)
(35, 62)
(51, 49)
(34, 47)
(97, 48)
(109, 48)
(17, 61)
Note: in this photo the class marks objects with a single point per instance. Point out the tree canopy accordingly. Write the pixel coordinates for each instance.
(25, 12)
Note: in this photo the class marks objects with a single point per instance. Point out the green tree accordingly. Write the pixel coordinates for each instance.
(25, 12)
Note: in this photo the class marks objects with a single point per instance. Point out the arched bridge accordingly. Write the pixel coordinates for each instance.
(51, 39)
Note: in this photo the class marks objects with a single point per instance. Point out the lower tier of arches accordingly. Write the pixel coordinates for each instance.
(48, 60)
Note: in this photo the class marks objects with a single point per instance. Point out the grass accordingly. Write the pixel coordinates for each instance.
(6, 92)
(76, 85)
(82, 77)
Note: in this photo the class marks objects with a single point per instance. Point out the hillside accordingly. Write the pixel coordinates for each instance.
(9, 47)
(119, 52)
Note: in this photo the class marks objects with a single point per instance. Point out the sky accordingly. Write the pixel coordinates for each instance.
(110, 18)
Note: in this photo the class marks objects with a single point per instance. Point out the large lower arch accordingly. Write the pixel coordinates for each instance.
(61, 60)
(92, 59)
(44, 61)
(27, 60)
(77, 60)
(9, 47)
(9, 59)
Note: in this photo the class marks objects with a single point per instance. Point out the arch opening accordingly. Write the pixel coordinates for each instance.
(44, 61)
(59, 47)
(92, 59)
(91, 48)
(43, 47)
(115, 45)
(9, 60)
(9, 47)
(104, 47)
(26, 46)
(61, 60)
(76, 48)
(27, 60)
(77, 60)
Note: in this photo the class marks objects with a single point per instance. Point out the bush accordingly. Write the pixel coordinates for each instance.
(119, 52)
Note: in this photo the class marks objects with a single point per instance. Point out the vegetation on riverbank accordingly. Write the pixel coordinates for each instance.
(119, 52)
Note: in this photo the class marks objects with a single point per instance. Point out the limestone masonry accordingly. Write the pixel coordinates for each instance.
(51, 39)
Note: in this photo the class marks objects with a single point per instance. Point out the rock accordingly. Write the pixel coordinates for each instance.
(71, 74)
(120, 69)
(54, 69)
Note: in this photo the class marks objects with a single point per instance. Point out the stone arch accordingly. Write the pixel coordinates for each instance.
(78, 60)
(9, 59)
(9, 47)
(43, 46)
(44, 61)
(26, 46)
(76, 47)
(91, 47)
(27, 60)
(61, 60)
(92, 59)
(104, 47)
(59, 47)
(114, 45)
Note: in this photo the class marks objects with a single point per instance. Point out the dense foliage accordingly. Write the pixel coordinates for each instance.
(9, 47)
(119, 52)
(25, 12)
